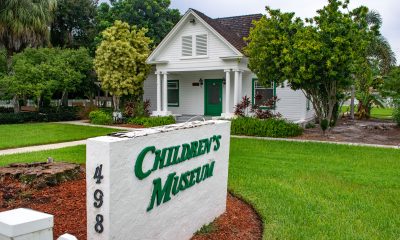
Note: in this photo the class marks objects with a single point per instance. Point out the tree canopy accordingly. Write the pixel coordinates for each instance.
(155, 16)
(120, 61)
(318, 56)
(74, 23)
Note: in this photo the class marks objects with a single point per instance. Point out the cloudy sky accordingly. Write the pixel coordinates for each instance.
(389, 10)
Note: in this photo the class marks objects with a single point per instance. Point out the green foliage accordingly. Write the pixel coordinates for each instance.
(74, 24)
(43, 71)
(207, 229)
(152, 121)
(391, 86)
(265, 128)
(318, 56)
(45, 115)
(120, 60)
(324, 124)
(156, 16)
(100, 117)
(396, 115)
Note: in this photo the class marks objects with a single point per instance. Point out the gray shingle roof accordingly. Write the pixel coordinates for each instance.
(233, 29)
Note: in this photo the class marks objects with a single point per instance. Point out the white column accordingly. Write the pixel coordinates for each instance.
(158, 91)
(240, 88)
(165, 93)
(236, 89)
(227, 91)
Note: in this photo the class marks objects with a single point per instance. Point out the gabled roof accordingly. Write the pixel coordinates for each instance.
(233, 29)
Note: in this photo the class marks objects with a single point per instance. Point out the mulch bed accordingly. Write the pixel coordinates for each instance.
(67, 202)
(358, 131)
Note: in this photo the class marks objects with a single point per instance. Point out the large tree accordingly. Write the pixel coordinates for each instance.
(120, 61)
(318, 56)
(74, 23)
(40, 72)
(156, 16)
(24, 23)
(378, 60)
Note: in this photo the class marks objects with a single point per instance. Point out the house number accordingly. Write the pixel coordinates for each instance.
(98, 199)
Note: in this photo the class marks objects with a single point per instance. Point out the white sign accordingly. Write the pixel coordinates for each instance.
(158, 183)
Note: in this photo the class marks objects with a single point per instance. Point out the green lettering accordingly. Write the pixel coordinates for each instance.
(169, 158)
(162, 194)
(175, 188)
(208, 170)
(160, 159)
(139, 163)
(217, 138)
(194, 146)
(176, 159)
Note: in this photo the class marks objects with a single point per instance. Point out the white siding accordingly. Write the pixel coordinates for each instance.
(216, 48)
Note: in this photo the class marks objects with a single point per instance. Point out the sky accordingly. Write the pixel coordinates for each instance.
(389, 10)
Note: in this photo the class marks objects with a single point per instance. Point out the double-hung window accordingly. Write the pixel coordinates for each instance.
(173, 93)
(262, 93)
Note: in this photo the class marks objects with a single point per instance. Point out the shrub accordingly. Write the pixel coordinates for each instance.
(100, 117)
(6, 110)
(45, 115)
(139, 109)
(152, 121)
(264, 127)
(84, 112)
(396, 115)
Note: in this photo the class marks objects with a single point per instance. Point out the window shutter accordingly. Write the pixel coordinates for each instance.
(201, 45)
(187, 46)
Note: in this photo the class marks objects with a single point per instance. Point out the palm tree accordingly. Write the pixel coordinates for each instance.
(24, 23)
(379, 60)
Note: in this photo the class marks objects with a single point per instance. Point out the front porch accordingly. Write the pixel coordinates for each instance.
(191, 93)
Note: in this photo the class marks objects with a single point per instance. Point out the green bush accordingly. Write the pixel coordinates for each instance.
(396, 115)
(265, 128)
(45, 115)
(152, 121)
(100, 117)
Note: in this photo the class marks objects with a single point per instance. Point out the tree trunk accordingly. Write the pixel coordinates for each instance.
(116, 103)
(64, 99)
(9, 56)
(16, 104)
(353, 93)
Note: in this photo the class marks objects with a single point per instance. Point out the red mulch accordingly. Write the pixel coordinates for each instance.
(67, 202)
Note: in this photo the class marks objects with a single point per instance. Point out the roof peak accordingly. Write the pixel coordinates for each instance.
(245, 15)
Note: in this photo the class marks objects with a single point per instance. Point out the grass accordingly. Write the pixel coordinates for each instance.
(304, 190)
(319, 191)
(377, 113)
(76, 154)
(20, 135)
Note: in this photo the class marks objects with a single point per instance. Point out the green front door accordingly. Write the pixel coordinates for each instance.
(213, 97)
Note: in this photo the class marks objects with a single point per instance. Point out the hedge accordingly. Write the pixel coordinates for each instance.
(276, 128)
(45, 115)
(100, 117)
(152, 121)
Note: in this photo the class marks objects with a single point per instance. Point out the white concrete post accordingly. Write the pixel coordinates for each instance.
(240, 88)
(236, 89)
(227, 91)
(22, 224)
(165, 93)
(67, 237)
(158, 91)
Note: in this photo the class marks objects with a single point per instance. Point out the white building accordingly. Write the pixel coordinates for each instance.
(200, 69)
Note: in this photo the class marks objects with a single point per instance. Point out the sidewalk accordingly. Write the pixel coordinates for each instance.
(41, 147)
(81, 123)
(316, 141)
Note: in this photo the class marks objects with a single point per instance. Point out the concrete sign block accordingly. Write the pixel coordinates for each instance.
(159, 183)
(22, 223)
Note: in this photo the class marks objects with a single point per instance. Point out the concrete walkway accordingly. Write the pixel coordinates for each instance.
(82, 123)
(316, 141)
(41, 147)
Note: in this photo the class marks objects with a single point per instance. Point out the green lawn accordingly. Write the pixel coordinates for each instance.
(20, 135)
(76, 154)
(378, 113)
(304, 190)
(319, 191)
